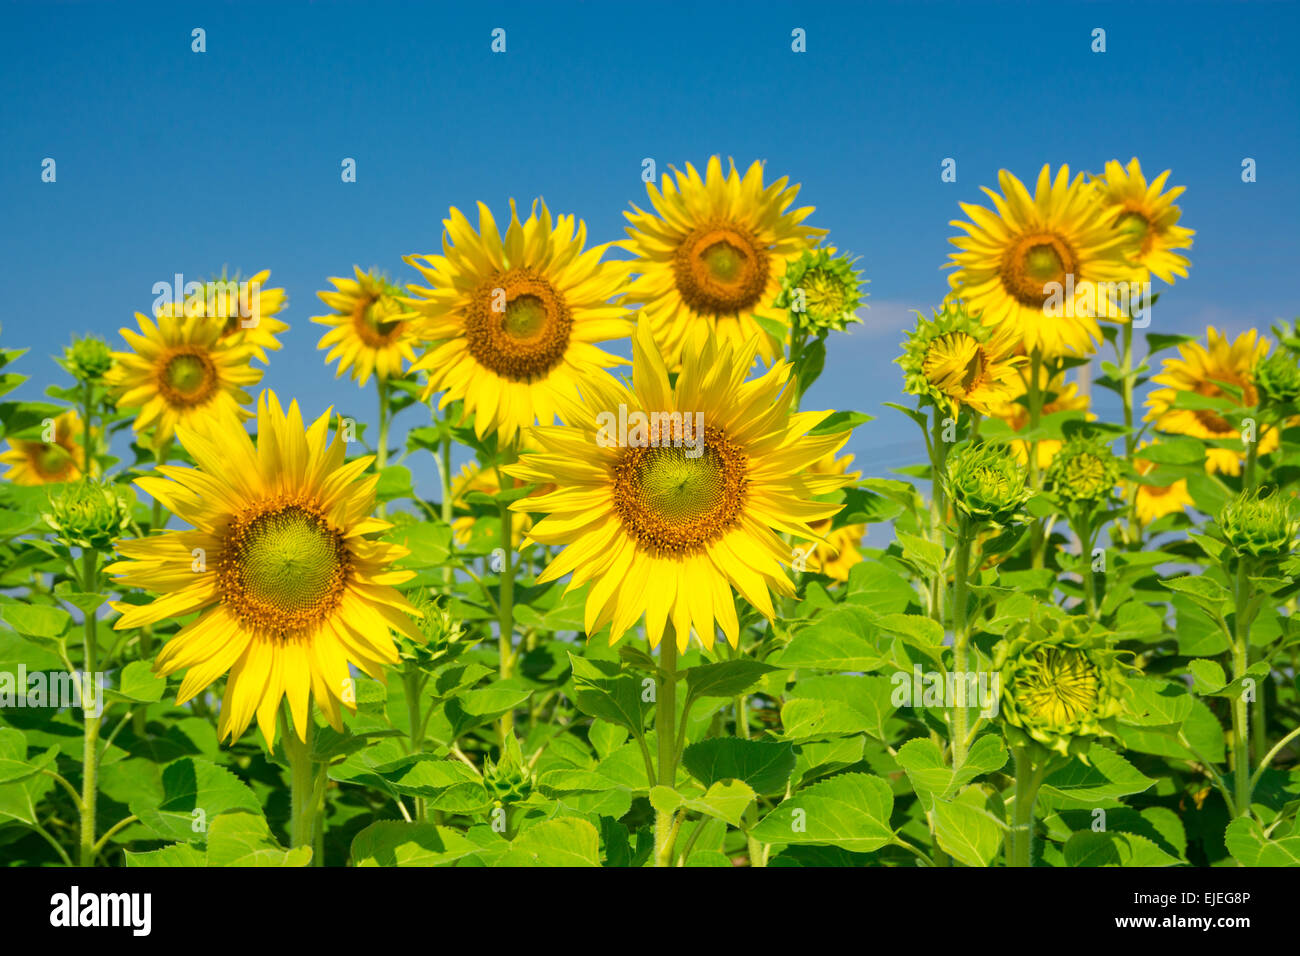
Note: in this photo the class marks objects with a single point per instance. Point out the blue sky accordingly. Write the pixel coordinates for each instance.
(172, 161)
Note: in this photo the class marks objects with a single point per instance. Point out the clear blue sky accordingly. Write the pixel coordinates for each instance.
(172, 161)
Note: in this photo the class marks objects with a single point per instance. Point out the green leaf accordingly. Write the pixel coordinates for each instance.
(933, 780)
(726, 678)
(565, 841)
(1114, 848)
(190, 785)
(725, 800)
(14, 765)
(37, 620)
(762, 764)
(176, 855)
(397, 843)
(140, 683)
(850, 811)
(1206, 593)
(1105, 777)
(839, 641)
(244, 839)
(840, 422)
(602, 690)
(1249, 846)
(1209, 675)
(969, 834)
(926, 556)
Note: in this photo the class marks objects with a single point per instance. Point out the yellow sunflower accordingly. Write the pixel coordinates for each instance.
(955, 360)
(280, 563)
(371, 332)
(1199, 369)
(837, 552)
(1156, 501)
(245, 310)
(712, 255)
(514, 320)
(47, 463)
(670, 495)
(1009, 255)
(181, 369)
(1058, 396)
(1150, 218)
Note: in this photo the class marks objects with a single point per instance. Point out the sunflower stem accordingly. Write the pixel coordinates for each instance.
(1029, 777)
(1038, 537)
(381, 444)
(1130, 440)
(87, 449)
(665, 718)
(938, 511)
(90, 751)
(1084, 532)
(1240, 707)
(960, 639)
(302, 779)
(505, 617)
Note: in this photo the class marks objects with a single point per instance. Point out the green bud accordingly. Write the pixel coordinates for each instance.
(1260, 525)
(507, 781)
(1278, 378)
(88, 359)
(444, 635)
(1084, 471)
(1061, 685)
(822, 292)
(88, 514)
(986, 483)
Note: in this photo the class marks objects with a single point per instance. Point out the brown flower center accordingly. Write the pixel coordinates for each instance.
(187, 377)
(1034, 261)
(721, 269)
(518, 325)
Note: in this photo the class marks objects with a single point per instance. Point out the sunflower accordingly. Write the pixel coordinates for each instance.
(280, 563)
(1153, 502)
(245, 309)
(714, 255)
(182, 369)
(955, 360)
(837, 551)
(371, 330)
(1062, 234)
(47, 463)
(671, 495)
(1151, 219)
(1200, 369)
(514, 320)
(1058, 396)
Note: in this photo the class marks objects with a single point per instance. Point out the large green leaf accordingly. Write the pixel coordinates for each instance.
(763, 764)
(850, 811)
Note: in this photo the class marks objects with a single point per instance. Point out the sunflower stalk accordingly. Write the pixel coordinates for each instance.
(90, 750)
(960, 637)
(1029, 778)
(666, 738)
(938, 510)
(1038, 531)
(1240, 706)
(505, 609)
(303, 799)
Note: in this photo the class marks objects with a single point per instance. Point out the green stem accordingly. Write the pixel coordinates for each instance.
(938, 510)
(1240, 708)
(505, 615)
(411, 681)
(87, 448)
(960, 639)
(90, 750)
(1084, 531)
(1029, 777)
(1038, 535)
(302, 780)
(665, 718)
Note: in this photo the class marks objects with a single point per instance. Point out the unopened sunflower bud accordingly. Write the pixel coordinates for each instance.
(1260, 525)
(821, 291)
(1278, 378)
(1084, 471)
(986, 483)
(88, 514)
(507, 782)
(88, 359)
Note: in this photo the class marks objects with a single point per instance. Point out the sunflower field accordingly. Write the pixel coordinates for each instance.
(641, 624)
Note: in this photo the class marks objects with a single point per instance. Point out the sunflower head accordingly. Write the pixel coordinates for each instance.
(1278, 378)
(1147, 217)
(1205, 370)
(1061, 686)
(710, 257)
(954, 360)
(1084, 472)
(88, 359)
(1260, 525)
(89, 514)
(181, 370)
(1042, 263)
(55, 457)
(372, 330)
(280, 561)
(821, 292)
(987, 484)
(514, 320)
(671, 494)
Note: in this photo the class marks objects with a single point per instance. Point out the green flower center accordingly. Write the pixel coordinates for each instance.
(680, 488)
(1057, 687)
(824, 294)
(525, 316)
(1043, 262)
(284, 569)
(186, 374)
(723, 260)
